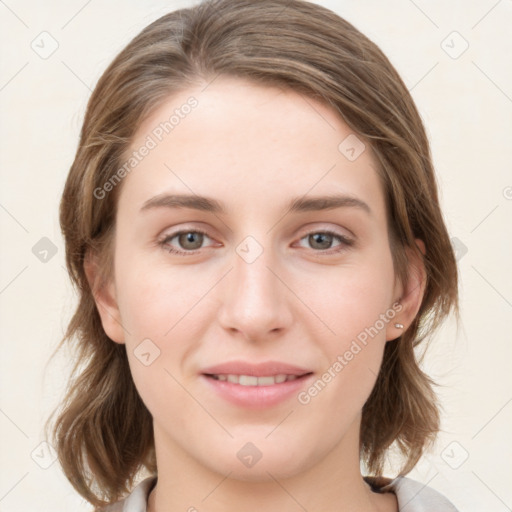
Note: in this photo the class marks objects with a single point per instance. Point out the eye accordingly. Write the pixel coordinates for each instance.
(190, 240)
(323, 240)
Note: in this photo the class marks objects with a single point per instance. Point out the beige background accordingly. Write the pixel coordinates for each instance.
(466, 103)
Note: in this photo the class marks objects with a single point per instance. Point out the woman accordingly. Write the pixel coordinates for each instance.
(253, 223)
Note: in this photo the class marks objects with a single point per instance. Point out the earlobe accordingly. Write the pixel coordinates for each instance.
(411, 293)
(105, 298)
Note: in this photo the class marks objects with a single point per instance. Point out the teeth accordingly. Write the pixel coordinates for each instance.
(251, 380)
(264, 381)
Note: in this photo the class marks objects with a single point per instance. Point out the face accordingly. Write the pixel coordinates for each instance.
(254, 317)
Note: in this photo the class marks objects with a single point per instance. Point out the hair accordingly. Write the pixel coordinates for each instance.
(104, 433)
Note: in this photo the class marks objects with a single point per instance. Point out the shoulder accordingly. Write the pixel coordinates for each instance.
(136, 501)
(412, 496)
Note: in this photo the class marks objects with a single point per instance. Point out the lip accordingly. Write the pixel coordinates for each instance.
(256, 370)
(256, 397)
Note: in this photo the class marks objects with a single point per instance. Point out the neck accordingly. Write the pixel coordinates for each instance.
(333, 484)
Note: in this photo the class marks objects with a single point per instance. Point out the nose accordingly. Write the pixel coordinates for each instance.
(255, 304)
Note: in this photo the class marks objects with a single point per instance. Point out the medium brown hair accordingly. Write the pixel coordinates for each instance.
(103, 434)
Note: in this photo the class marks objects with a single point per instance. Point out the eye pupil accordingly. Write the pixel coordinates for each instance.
(193, 237)
(323, 239)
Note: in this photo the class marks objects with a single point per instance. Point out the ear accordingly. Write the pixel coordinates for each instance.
(409, 294)
(105, 298)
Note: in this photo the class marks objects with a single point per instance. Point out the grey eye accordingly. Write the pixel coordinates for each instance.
(191, 240)
(320, 240)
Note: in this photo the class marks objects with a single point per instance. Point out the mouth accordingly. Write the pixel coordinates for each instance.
(256, 385)
(252, 380)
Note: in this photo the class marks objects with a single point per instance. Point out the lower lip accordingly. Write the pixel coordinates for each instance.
(256, 397)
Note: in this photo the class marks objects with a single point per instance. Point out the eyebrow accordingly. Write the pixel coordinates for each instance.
(299, 204)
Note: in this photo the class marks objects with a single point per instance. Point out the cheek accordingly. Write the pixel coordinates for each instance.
(164, 318)
(155, 300)
(351, 299)
(156, 317)
(357, 305)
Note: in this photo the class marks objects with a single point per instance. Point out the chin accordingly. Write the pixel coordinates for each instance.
(261, 461)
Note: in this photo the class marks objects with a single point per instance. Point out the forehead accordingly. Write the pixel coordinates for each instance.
(244, 142)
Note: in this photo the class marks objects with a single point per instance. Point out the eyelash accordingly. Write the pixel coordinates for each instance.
(345, 242)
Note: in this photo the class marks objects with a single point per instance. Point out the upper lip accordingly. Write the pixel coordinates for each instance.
(256, 370)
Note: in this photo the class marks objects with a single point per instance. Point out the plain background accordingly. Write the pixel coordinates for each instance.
(465, 98)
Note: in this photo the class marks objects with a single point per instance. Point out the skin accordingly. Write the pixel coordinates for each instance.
(254, 148)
